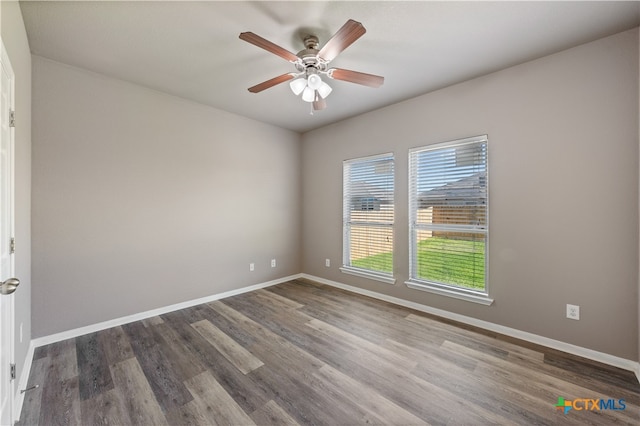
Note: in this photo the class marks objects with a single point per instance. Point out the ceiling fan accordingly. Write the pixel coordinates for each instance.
(311, 63)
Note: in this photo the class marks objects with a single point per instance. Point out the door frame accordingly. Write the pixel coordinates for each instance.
(5, 63)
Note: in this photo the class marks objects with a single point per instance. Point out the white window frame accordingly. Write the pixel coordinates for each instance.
(458, 292)
(347, 222)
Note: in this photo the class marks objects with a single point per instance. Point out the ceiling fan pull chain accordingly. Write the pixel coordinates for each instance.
(310, 108)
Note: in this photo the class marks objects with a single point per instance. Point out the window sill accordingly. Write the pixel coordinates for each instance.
(469, 296)
(368, 274)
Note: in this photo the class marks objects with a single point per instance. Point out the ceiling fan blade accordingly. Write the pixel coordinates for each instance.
(319, 103)
(356, 77)
(350, 32)
(270, 83)
(265, 44)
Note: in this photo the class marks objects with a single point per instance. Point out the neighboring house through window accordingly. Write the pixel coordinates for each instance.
(368, 215)
(448, 187)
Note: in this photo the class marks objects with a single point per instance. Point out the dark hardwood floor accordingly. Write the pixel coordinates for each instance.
(306, 353)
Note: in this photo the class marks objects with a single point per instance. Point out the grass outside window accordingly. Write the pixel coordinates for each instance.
(458, 262)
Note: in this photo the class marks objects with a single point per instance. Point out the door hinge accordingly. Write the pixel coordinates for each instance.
(12, 119)
(12, 246)
(12, 367)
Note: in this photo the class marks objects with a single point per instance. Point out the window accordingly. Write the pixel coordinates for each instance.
(368, 217)
(448, 219)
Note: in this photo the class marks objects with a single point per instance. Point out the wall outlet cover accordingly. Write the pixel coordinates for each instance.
(573, 312)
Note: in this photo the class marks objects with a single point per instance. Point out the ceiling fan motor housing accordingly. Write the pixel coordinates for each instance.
(309, 56)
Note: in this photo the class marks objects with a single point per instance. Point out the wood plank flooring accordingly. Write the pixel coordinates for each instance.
(305, 353)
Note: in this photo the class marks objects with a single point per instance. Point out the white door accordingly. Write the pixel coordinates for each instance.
(7, 283)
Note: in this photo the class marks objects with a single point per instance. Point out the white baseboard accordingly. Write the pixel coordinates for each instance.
(57, 337)
(602, 357)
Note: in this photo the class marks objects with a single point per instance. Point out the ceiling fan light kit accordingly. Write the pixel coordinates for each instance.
(310, 87)
(308, 95)
(298, 85)
(311, 63)
(324, 90)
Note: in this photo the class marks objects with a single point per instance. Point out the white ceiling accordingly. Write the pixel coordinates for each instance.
(192, 49)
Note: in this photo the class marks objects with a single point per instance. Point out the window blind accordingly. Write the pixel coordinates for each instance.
(448, 214)
(368, 214)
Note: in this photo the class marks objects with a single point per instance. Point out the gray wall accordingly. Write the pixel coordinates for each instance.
(15, 41)
(563, 167)
(142, 200)
(128, 215)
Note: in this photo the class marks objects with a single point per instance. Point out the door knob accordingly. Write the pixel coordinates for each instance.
(9, 286)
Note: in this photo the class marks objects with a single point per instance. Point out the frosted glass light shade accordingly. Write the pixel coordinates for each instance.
(298, 85)
(314, 81)
(308, 95)
(324, 90)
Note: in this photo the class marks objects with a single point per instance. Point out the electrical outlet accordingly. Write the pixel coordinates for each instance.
(273, 263)
(252, 267)
(573, 312)
(327, 263)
